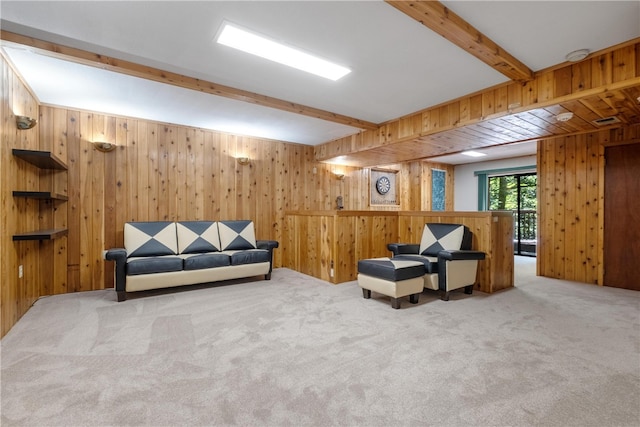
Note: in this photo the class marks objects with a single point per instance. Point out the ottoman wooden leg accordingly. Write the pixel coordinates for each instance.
(366, 293)
(395, 303)
(468, 289)
(414, 298)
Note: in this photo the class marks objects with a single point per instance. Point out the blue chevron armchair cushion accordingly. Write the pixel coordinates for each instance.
(150, 238)
(197, 237)
(438, 237)
(235, 235)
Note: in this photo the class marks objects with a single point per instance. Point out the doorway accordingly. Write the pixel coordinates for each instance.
(518, 194)
(621, 224)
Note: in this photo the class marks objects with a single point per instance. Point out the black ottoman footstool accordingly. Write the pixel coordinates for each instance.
(394, 278)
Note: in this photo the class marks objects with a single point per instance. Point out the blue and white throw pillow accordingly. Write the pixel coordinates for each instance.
(235, 235)
(197, 237)
(150, 238)
(441, 237)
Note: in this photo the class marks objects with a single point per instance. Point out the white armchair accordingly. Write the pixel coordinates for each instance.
(445, 251)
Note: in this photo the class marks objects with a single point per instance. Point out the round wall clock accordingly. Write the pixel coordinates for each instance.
(383, 185)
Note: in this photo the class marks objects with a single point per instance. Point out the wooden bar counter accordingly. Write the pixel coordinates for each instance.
(328, 244)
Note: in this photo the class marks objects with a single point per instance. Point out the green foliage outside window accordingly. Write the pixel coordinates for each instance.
(503, 194)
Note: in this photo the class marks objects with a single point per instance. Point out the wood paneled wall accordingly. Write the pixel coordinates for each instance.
(158, 171)
(161, 171)
(18, 214)
(328, 244)
(571, 204)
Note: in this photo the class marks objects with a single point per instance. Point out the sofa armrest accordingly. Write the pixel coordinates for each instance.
(269, 245)
(403, 248)
(461, 255)
(119, 255)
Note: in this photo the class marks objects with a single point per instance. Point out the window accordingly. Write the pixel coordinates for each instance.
(518, 194)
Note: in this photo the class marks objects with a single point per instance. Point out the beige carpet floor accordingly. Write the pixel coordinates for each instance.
(297, 351)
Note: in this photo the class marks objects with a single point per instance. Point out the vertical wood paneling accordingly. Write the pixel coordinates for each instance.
(569, 224)
(324, 242)
(18, 214)
(344, 237)
(580, 178)
(146, 161)
(595, 254)
(197, 176)
(167, 172)
(73, 204)
(86, 201)
(163, 205)
(104, 129)
(570, 200)
(209, 177)
(624, 63)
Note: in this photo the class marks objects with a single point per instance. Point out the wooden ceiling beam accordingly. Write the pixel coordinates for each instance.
(435, 16)
(158, 75)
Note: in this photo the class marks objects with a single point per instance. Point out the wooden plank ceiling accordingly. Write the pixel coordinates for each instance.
(523, 126)
(533, 124)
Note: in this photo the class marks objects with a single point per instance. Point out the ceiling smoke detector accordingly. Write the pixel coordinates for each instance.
(564, 117)
(577, 55)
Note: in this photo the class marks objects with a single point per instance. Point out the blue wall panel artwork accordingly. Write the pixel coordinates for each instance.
(437, 189)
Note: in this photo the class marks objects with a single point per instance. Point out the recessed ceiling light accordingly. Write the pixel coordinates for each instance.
(255, 44)
(472, 153)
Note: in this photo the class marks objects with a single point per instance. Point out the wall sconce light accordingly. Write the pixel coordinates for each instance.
(242, 160)
(24, 122)
(340, 176)
(105, 147)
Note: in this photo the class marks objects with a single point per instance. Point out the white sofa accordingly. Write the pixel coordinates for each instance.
(163, 254)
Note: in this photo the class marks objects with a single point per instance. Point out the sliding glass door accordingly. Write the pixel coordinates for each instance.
(517, 193)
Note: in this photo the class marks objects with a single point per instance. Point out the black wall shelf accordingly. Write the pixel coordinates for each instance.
(44, 195)
(41, 234)
(41, 159)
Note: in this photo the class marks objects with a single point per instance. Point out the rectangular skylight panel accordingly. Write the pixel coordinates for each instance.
(472, 153)
(254, 44)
